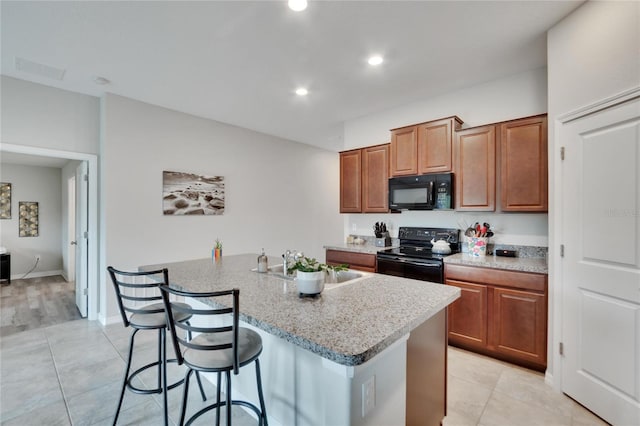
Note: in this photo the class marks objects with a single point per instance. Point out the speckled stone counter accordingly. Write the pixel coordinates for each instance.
(348, 324)
(357, 248)
(536, 265)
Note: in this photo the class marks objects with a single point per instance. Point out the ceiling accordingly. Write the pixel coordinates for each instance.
(239, 62)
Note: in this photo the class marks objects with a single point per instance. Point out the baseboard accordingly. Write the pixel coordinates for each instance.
(37, 274)
(109, 320)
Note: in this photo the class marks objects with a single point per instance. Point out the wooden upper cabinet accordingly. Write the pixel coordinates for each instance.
(523, 165)
(435, 140)
(404, 151)
(475, 153)
(364, 180)
(351, 181)
(423, 148)
(375, 179)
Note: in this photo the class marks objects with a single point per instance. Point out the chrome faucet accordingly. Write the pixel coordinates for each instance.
(289, 258)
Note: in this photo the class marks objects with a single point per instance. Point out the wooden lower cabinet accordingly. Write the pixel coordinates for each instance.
(500, 313)
(520, 324)
(468, 315)
(360, 261)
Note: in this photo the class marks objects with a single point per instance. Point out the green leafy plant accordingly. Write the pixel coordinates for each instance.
(218, 244)
(307, 264)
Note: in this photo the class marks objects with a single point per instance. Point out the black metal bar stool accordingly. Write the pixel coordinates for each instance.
(216, 349)
(144, 310)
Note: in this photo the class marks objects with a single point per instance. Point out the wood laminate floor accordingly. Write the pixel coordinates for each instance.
(31, 303)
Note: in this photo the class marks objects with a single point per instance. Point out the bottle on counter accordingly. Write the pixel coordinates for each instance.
(263, 262)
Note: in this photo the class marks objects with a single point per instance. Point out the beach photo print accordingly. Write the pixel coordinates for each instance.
(190, 194)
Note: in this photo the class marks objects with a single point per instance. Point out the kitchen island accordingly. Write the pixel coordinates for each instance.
(368, 351)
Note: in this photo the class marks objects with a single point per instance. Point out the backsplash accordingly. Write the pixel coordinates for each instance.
(522, 251)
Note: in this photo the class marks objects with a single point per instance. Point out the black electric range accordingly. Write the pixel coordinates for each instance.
(414, 258)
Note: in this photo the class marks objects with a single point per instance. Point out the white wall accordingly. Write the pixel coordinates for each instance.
(40, 184)
(279, 194)
(593, 54)
(516, 96)
(45, 117)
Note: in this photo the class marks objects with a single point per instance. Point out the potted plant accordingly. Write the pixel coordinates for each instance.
(217, 249)
(311, 274)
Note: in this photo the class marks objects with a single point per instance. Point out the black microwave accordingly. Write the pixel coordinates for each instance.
(423, 192)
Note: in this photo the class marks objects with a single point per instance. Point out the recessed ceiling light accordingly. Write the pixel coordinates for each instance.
(101, 80)
(375, 60)
(301, 91)
(297, 5)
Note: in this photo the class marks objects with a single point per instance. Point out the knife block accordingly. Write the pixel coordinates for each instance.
(384, 241)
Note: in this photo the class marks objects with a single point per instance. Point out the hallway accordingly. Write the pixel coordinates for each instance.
(31, 303)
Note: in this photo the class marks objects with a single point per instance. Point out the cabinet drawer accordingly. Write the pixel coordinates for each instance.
(498, 277)
(363, 261)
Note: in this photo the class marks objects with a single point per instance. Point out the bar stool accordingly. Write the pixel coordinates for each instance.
(144, 310)
(218, 349)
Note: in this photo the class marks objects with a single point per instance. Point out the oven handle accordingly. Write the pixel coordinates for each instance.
(410, 262)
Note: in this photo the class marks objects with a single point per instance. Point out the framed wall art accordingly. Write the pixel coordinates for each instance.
(5, 200)
(190, 194)
(28, 214)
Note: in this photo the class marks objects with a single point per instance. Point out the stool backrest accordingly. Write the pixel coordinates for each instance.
(138, 283)
(230, 306)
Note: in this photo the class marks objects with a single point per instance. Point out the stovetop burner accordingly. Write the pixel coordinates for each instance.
(415, 243)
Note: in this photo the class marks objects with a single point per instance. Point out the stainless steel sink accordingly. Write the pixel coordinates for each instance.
(333, 280)
(277, 270)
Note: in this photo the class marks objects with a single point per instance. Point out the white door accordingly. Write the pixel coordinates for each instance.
(601, 265)
(82, 227)
(71, 231)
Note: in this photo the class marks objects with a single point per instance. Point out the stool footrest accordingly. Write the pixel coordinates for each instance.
(150, 391)
(222, 404)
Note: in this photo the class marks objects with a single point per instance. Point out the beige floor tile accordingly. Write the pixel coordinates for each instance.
(473, 368)
(582, 417)
(529, 387)
(503, 410)
(466, 398)
(455, 418)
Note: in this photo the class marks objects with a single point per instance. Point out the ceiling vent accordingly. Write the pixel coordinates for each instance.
(42, 70)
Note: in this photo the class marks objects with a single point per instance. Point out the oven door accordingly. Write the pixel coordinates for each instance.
(417, 269)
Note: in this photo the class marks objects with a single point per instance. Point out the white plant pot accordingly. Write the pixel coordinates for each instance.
(310, 282)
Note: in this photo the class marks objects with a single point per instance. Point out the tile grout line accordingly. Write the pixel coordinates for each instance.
(55, 367)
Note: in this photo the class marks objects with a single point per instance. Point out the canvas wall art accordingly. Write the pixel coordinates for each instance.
(28, 214)
(5, 200)
(190, 194)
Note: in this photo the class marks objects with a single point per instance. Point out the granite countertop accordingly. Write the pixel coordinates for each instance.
(358, 248)
(348, 324)
(536, 265)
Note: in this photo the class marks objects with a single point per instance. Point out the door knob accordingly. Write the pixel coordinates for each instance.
(73, 243)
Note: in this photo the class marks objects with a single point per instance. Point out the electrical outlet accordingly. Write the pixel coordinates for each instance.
(368, 395)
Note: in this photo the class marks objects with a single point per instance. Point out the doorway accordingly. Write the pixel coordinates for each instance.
(89, 236)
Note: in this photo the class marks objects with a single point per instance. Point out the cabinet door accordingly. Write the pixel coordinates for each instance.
(476, 169)
(351, 181)
(435, 146)
(404, 151)
(375, 179)
(523, 165)
(519, 325)
(360, 261)
(468, 315)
